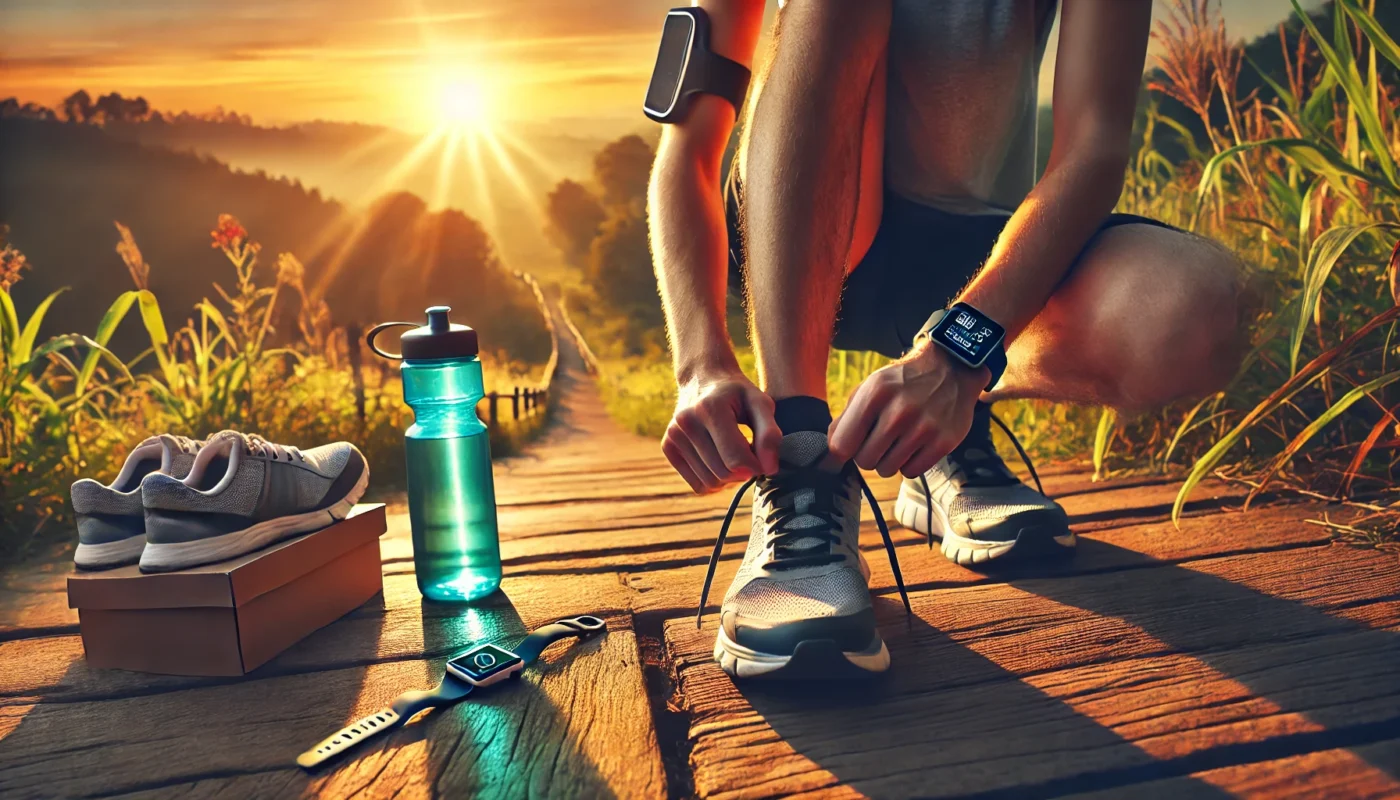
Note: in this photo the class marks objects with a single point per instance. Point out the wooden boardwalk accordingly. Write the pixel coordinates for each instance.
(1244, 655)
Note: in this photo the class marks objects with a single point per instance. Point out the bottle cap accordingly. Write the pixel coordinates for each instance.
(439, 338)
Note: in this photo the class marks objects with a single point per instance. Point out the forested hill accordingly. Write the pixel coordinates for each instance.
(63, 185)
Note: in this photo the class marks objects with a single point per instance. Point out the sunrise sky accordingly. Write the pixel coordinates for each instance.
(379, 61)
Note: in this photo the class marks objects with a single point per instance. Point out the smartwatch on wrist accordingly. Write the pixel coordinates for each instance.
(478, 667)
(685, 65)
(970, 336)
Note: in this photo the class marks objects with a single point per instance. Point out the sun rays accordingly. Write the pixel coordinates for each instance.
(470, 158)
(493, 160)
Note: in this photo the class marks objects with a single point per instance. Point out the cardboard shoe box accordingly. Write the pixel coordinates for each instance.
(231, 617)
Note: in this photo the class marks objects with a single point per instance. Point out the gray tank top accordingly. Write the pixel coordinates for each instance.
(960, 131)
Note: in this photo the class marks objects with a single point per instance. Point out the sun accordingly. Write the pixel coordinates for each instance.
(463, 104)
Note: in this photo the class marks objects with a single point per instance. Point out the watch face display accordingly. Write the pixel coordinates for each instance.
(482, 662)
(670, 63)
(967, 333)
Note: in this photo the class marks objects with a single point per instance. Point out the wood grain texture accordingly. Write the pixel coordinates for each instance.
(1049, 685)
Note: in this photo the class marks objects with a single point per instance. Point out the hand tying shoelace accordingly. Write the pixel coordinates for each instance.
(810, 545)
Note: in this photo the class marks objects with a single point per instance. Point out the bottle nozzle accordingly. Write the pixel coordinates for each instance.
(437, 319)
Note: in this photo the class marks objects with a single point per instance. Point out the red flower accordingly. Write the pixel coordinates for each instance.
(228, 233)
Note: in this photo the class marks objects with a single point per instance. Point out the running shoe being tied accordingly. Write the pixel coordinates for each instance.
(979, 509)
(800, 605)
(244, 493)
(111, 520)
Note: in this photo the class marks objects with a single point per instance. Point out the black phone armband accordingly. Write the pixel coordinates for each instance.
(685, 66)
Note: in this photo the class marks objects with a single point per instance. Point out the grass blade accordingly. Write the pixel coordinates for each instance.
(1103, 438)
(1343, 403)
(25, 345)
(1377, 36)
(1342, 63)
(105, 328)
(1354, 468)
(1312, 371)
(9, 328)
(1325, 252)
(1184, 426)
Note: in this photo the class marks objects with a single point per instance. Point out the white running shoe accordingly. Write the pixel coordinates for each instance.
(979, 509)
(799, 607)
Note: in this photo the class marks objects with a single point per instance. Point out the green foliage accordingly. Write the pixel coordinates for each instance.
(72, 408)
(603, 231)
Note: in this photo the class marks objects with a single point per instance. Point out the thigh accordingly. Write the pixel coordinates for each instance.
(1148, 312)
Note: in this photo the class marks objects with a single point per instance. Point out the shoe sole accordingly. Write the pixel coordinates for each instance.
(911, 509)
(817, 659)
(181, 555)
(108, 555)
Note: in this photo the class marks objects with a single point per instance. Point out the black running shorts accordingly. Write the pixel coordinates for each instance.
(920, 259)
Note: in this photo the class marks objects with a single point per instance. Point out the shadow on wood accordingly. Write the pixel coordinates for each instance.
(1046, 686)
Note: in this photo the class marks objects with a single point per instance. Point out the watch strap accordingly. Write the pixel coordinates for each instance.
(724, 78)
(533, 645)
(404, 707)
(449, 691)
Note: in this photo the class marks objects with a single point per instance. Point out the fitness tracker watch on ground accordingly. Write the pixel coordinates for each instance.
(970, 336)
(685, 65)
(477, 667)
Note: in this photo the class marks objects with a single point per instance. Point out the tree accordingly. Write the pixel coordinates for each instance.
(77, 107)
(619, 268)
(575, 216)
(622, 169)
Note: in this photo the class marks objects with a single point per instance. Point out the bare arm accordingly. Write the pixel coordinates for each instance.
(908, 415)
(1097, 75)
(690, 244)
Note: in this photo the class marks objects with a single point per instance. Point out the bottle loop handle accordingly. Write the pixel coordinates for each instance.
(380, 328)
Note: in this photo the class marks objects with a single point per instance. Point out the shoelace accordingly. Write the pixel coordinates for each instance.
(825, 485)
(187, 445)
(260, 446)
(1021, 451)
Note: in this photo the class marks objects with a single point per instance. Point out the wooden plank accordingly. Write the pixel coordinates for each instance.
(675, 590)
(395, 626)
(1320, 775)
(568, 728)
(578, 724)
(1112, 678)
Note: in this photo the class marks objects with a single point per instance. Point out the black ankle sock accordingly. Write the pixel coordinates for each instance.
(802, 413)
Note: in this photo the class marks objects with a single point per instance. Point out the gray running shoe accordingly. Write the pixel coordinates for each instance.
(979, 509)
(111, 521)
(800, 606)
(244, 493)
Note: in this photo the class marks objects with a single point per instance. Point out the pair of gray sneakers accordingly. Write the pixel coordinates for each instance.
(800, 603)
(180, 503)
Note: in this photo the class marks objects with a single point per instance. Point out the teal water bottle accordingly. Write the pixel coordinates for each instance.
(451, 494)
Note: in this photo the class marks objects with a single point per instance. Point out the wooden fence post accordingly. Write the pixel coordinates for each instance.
(491, 406)
(515, 404)
(354, 352)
